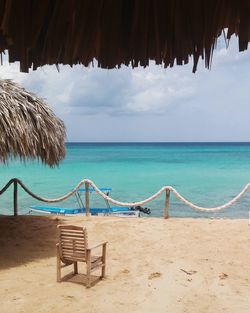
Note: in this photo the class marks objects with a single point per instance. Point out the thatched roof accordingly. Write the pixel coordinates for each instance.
(116, 32)
(28, 127)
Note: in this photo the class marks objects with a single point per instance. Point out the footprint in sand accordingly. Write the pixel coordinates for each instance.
(223, 276)
(154, 275)
(68, 297)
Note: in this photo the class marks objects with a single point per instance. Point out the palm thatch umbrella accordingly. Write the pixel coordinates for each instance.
(116, 32)
(28, 127)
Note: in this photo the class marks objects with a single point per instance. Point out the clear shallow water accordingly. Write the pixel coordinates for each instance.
(207, 174)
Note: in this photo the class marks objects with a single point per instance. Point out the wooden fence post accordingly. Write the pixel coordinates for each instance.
(15, 190)
(87, 199)
(166, 207)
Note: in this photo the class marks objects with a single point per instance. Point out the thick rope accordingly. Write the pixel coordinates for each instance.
(215, 209)
(175, 192)
(139, 203)
(62, 198)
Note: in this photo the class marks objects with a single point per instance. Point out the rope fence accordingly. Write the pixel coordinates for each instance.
(86, 182)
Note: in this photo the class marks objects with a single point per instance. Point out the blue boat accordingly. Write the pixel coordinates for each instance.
(71, 211)
(108, 210)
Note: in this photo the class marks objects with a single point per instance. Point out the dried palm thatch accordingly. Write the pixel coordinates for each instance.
(28, 127)
(116, 32)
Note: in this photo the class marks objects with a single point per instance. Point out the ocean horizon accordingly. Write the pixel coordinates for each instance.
(157, 142)
(206, 173)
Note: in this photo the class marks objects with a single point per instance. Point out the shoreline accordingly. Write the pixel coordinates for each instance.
(83, 217)
(172, 265)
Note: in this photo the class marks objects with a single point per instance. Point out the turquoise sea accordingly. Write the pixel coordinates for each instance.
(207, 174)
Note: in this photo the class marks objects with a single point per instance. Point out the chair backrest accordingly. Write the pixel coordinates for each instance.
(73, 243)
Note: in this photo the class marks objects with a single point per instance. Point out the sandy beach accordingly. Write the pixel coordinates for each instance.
(175, 265)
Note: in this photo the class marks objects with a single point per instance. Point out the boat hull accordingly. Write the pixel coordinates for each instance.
(112, 211)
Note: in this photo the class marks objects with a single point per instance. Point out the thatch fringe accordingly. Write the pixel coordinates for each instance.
(116, 32)
(28, 127)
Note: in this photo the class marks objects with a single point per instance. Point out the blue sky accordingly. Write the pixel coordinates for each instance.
(152, 104)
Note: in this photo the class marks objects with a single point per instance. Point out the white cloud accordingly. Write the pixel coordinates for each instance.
(153, 91)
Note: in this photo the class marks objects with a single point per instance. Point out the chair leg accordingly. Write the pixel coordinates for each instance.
(58, 265)
(75, 268)
(103, 271)
(103, 261)
(88, 283)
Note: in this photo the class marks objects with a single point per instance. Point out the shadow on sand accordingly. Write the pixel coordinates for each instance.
(26, 238)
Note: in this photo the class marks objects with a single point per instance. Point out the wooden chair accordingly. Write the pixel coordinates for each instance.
(73, 248)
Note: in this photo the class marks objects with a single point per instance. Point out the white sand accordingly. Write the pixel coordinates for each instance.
(154, 265)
